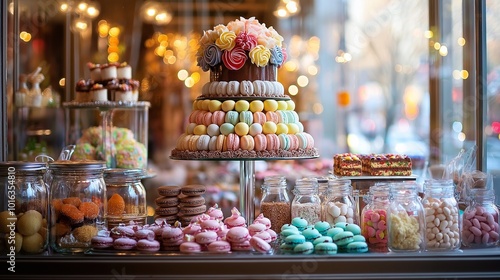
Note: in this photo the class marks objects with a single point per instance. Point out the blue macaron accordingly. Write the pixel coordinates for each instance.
(311, 234)
(334, 231)
(325, 249)
(232, 117)
(284, 141)
(323, 239)
(306, 248)
(358, 238)
(295, 239)
(357, 247)
(341, 225)
(246, 117)
(300, 223)
(287, 232)
(354, 228)
(343, 238)
(288, 226)
(322, 227)
(286, 248)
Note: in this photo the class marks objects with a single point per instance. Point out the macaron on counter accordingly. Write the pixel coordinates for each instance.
(301, 238)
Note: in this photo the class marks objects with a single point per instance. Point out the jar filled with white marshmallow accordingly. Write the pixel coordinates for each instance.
(442, 222)
(339, 205)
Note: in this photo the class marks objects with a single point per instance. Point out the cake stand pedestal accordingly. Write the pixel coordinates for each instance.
(247, 190)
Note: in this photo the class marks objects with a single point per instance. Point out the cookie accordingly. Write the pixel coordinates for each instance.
(166, 211)
(191, 201)
(193, 190)
(170, 219)
(167, 201)
(169, 191)
(186, 219)
(196, 210)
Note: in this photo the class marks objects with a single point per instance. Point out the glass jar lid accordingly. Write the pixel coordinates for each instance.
(88, 165)
(123, 173)
(12, 166)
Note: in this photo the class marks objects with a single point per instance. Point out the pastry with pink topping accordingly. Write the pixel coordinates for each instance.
(235, 220)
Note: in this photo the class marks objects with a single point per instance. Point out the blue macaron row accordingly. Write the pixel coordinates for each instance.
(321, 238)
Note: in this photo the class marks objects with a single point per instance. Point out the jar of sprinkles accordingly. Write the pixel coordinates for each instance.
(306, 203)
(275, 203)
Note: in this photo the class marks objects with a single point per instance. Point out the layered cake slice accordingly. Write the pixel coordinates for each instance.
(388, 165)
(347, 164)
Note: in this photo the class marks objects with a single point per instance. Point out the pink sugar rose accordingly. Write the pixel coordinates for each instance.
(235, 58)
(246, 41)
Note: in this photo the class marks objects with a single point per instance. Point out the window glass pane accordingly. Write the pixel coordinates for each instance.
(492, 123)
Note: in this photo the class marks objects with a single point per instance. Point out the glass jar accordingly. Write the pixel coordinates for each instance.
(275, 203)
(338, 205)
(126, 197)
(322, 187)
(442, 227)
(77, 204)
(374, 218)
(24, 209)
(480, 220)
(306, 203)
(406, 220)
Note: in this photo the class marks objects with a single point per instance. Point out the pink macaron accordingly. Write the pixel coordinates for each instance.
(262, 220)
(232, 142)
(272, 117)
(256, 228)
(190, 247)
(148, 245)
(259, 117)
(101, 242)
(272, 233)
(171, 235)
(310, 141)
(260, 142)
(122, 231)
(237, 234)
(192, 229)
(247, 143)
(219, 246)
(218, 117)
(205, 237)
(207, 118)
(145, 234)
(235, 220)
(264, 235)
(243, 246)
(194, 115)
(124, 243)
(260, 245)
(215, 213)
(273, 142)
(212, 225)
(294, 142)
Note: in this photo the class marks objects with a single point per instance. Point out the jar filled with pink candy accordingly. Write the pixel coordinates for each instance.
(374, 218)
(442, 223)
(480, 220)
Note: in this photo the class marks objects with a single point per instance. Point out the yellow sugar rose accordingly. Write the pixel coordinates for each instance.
(260, 56)
(226, 40)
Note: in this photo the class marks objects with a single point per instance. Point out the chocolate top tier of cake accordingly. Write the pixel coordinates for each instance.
(249, 72)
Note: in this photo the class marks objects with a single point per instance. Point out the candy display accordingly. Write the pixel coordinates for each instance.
(374, 218)
(243, 111)
(128, 152)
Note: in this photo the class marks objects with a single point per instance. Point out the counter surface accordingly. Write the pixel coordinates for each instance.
(462, 264)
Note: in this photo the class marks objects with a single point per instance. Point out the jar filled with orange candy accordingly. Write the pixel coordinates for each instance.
(126, 197)
(77, 204)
